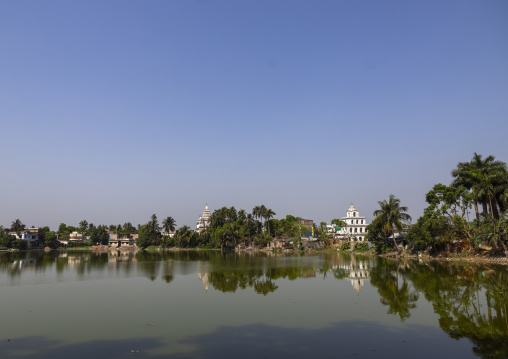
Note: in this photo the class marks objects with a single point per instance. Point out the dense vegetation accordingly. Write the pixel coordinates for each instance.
(481, 183)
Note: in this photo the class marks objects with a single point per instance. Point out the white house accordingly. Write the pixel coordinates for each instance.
(29, 234)
(356, 225)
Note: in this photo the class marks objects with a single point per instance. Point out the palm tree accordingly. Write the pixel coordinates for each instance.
(128, 228)
(257, 213)
(17, 226)
(83, 226)
(183, 235)
(168, 225)
(487, 179)
(390, 216)
(153, 224)
(267, 214)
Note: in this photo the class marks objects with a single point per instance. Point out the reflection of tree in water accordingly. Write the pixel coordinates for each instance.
(230, 281)
(472, 302)
(168, 278)
(400, 299)
(265, 286)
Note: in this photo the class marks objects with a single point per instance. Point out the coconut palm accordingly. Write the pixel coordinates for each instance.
(83, 226)
(17, 226)
(168, 224)
(390, 216)
(257, 212)
(267, 214)
(183, 236)
(487, 179)
(128, 228)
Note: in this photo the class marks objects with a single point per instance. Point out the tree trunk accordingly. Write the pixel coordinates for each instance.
(476, 212)
(493, 208)
(484, 207)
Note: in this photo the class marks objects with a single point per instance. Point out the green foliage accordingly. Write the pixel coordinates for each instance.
(390, 216)
(361, 247)
(17, 226)
(339, 223)
(345, 246)
(169, 224)
(99, 236)
(149, 234)
(20, 244)
(50, 239)
(43, 231)
(376, 236)
(80, 243)
(7, 240)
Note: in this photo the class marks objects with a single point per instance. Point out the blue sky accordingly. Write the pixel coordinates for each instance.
(111, 111)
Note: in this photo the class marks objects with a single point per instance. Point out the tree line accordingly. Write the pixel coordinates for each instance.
(480, 184)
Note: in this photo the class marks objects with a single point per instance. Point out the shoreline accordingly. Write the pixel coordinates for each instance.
(441, 257)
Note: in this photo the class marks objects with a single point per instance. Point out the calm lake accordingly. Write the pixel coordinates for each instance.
(226, 305)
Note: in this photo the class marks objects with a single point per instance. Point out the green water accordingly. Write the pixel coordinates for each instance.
(224, 305)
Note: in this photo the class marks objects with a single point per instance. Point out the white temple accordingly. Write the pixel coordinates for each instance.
(203, 220)
(356, 225)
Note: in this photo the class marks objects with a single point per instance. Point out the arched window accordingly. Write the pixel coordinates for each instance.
(355, 229)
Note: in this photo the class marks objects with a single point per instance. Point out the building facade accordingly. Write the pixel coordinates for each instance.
(204, 220)
(356, 225)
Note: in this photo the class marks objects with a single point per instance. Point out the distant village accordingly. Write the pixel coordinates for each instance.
(350, 228)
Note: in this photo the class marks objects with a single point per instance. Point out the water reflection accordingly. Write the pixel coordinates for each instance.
(470, 300)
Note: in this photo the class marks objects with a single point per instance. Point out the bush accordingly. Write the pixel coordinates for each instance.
(361, 247)
(345, 246)
(20, 244)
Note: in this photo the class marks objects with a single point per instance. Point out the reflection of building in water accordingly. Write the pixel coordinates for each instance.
(23, 263)
(73, 261)
(203, 270)
(359, 271)
(121, 256)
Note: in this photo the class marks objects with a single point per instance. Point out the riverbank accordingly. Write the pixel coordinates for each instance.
(449, 257)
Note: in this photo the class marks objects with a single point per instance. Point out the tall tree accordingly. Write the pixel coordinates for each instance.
(17, 226)
(128, 228)
(183, 236)
(168, 224)
(267, 214)
(391, 215)
(83, 226)
(487, 179)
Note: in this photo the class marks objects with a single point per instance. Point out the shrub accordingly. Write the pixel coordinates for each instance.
(345, 246)
(361, 247)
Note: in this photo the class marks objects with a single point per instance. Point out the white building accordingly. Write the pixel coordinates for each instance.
(203, 220)
(29, 234)
(356, 225)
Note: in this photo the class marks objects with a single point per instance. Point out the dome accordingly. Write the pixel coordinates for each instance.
(352, 209)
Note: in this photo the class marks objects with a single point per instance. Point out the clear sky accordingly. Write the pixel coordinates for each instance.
(111, 111)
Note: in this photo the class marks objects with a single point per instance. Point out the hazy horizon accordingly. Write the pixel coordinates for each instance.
(113, 111)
